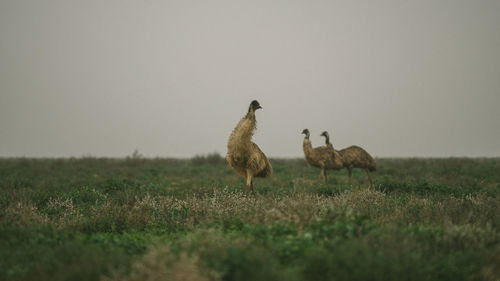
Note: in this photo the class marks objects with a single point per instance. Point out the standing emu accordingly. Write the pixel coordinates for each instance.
(355, 157)
(243, 155)
(322, 157)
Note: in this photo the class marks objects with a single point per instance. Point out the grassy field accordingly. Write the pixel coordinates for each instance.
(170, 219)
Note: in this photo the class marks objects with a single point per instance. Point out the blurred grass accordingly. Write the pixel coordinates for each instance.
(188, 219)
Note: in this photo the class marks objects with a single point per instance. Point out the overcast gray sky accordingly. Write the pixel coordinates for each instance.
(172, 78)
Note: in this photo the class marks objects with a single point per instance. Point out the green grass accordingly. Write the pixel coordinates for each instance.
(174, 219)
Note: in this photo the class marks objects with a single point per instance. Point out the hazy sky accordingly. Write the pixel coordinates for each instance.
(172, 78)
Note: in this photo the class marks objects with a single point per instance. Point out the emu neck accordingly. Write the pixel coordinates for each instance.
(250, 113)
(243, 132)
(307, 146)
(327, 142)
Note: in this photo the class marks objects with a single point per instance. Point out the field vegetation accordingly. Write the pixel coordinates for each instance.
(188, 219)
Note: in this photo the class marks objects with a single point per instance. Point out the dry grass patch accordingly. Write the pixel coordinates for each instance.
(22, 214)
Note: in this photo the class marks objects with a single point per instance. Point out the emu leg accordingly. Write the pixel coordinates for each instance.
(322, 174)
(251, 187)
(249, 184)
(368, 174)
(349, 174)
(326, 177)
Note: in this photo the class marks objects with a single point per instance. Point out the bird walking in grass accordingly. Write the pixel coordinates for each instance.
(243, 155)
(354, 157)
(322, 157)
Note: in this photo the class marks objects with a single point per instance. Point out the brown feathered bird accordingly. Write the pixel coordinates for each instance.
(355, 157)
(243, 155)
(322, 157)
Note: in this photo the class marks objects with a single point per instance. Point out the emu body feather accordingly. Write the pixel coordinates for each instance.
(356, 157)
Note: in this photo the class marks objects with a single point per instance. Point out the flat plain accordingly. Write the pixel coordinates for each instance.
(188, 219)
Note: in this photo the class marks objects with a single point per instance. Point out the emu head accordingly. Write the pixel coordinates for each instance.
(327, 137)
(306, 132)
(254, 105)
